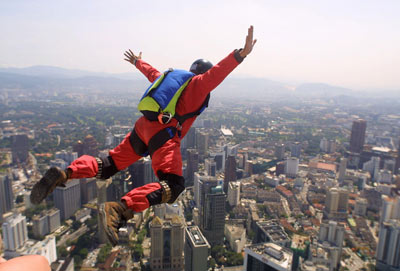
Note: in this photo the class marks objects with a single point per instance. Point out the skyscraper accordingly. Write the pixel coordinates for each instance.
(267, 256)
(196, 250)
(20, 148)
(342, 169)
(210, 167)
(357, 138)
(230, 171)
(6, 195)
(280, 151)
(167, 242)
(142, 173)
(292, 166)
(202, 143)
(213, 215)
(295, 149)
(15, 232)
(68, 199)
(387, 253)
(192, 165)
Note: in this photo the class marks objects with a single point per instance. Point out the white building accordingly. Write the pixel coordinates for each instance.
(236, 236)
(234, 193)
(268, 256)
(15, 232)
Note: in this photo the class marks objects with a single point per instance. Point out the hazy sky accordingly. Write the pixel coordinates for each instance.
(350, 43)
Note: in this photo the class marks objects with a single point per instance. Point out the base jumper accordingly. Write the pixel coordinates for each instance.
(166, 159)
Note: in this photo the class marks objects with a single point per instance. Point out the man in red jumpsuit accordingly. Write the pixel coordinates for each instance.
(166, 160)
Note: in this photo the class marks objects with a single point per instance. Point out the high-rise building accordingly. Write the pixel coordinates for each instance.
(142, 173)
(213, 215)
(202, 186)
(88, 189)
(167, 243)
(46, 222)
(68, 157)
(230, 171)
(15, 232)
(234, 193)
(292, 166)
(6, 195)
(357, 138)
(390, 208)
(331, 232)
(342, 169)
(387, 253)
(68, 199)
(210, 167)
(196, 250)
(295, 149)
(267, 256)
(360, 207)
(192, 165)
(336, 203)
(189, 141)
(202, 143)
(280, 151)
(20, 148)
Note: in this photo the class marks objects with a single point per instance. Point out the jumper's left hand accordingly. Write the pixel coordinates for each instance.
(248, 47)
(131, 57)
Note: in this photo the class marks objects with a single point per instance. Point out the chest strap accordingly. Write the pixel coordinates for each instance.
(156, 142)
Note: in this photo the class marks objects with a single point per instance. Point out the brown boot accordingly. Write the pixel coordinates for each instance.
(52, 178)
(113, 215)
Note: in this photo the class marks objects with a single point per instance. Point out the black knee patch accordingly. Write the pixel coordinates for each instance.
(175, 182)
(108, 167)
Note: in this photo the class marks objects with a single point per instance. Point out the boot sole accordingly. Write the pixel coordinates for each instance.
(103, 223)
(46, 185)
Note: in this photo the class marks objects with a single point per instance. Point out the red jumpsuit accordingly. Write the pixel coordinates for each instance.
(167, 158)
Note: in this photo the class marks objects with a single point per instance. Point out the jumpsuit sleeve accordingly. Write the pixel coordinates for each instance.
(147, 70)
(203, 84)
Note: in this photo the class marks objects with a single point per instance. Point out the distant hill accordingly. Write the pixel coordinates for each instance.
(233, 87)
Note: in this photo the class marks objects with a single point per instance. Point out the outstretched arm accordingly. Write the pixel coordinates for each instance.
(145, 68)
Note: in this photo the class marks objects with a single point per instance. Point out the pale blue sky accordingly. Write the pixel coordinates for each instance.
(348, 43)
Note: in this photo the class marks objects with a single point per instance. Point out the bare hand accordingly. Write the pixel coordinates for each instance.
(131, 57)
(248, 47)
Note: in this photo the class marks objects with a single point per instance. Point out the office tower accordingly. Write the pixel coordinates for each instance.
(88, 189)
(219, 159)
(196, 250)
(142, 173)
(360, 207)
(234, 193)
(390, 208)
(243, 157)
(213, 215)
(19, 148)
(167, 243)
(336, 203)
(210, 167)
(280, 151)
(68, 199)
(40, 225)
(190, 139)
(202, 185)
(373, 167)
(230, 171)
(332, 201)
(343, 203)
(6, 195)
(292, 167)
(295, 149)
(267, 256)
(102, 186)
(280, 168)
(202, 143)
(15, 232)
(342, 169)
(58, 163)
(388, 250)
(192, 166)
(53, 216)
(357, 138)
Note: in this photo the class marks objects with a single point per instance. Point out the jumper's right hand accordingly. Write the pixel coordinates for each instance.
(131, 57)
